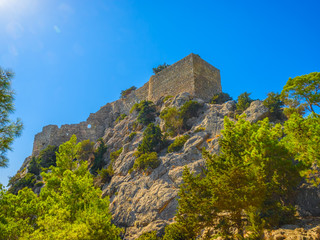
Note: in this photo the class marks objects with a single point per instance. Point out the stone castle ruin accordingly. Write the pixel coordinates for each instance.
(191, 74)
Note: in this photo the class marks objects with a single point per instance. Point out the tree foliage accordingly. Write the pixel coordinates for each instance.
(173, 122)
(178, 143)
(125, 93)
(8, 129)
(243, 102)
(152, 139)
(274, 103)
(160, 68)
(146, 111)
(304, 91)
(177, 120)
(220, 98)
(253, 175)
(68, 207)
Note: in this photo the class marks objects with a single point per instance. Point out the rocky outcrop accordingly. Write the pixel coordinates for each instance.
(147, 201)
(143, 202)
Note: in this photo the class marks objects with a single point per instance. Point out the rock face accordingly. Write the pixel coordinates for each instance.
(143, 202)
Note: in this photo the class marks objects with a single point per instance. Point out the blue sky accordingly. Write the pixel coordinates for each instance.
(71, 57)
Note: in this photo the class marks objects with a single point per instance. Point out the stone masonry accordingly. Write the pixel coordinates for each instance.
(191, 74)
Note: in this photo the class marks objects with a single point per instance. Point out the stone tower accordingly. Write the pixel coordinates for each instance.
(191, 74)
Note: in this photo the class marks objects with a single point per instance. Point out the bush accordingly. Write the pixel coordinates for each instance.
(145, 161)
(132, 135)
(274, 104)
(220, 98)
(178, 143)
(39, 184)
(160, 68)
(167, 98)
(47, 156)
(146, 111)
(114, 155)
(199, 129)
(105, 174)
(175, 232)
(172, 120)
(34, 166)
(27, 181)
(189, 110)
(121, 117)
(86, 148)
(243, 103)
(125, 93)
(149, 236)
(152, 140)
(98, 157)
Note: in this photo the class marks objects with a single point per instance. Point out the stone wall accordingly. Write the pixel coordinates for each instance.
(173, 80)
(207, 79)
(93, 128)
(191, 74)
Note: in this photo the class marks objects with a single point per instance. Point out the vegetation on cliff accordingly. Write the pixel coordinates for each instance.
(68, 207)
(245, 186)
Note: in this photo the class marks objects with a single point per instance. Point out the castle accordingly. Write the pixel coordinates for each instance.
(191, 74)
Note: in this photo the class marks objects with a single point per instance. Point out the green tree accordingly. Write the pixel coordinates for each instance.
(68, 207)
(160, 68)
(189, 110)
(152, 139)
(304, 91)
(274, 103)
(253, 175)
(220, 98)
(172, 120)
(125, 93)
(8, 129)
(98, 157)
(146, 111)
(243, 102)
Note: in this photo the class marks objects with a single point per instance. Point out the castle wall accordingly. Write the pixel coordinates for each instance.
(207, 79)
(142, 92)
(173, 80)
(191, 74)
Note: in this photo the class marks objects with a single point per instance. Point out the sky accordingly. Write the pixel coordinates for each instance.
(70, 57)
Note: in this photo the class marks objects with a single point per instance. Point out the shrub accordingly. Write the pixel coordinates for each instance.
(114, 155)
(160, 68)
(98, 157)
(199, 129)
(149, 236)
(167, 98)
(172, 120)
(132, 135)
(34, 166)
(152, 139)
(125, 93)
(146, 111)
(175, 232)
(27, 181)
(146, 160)
(47, 156)
(243, 103)
(121, 117)
(105, 174)
(220, 98)
(178, 143)
(39, 184)
(86, 148)
(274, 104)
(188, 110)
